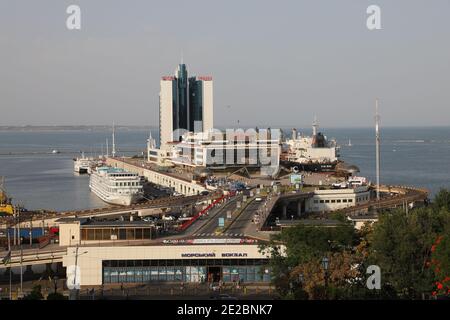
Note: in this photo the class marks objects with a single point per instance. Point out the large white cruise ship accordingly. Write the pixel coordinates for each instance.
(116, 186)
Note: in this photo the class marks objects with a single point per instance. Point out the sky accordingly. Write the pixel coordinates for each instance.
(274, 63)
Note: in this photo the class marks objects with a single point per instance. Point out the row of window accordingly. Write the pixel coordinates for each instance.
(360, 199)
(183, 262)
(334, 201)
(182, 274)
(97, 234)
(128, 184)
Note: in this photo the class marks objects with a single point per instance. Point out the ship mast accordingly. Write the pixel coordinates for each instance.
(113, 141)
(107, 148)
(377, 147)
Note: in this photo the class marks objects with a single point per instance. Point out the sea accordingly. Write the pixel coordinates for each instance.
(38, 179)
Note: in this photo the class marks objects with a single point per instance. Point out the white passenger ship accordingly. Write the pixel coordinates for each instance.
(116, 186)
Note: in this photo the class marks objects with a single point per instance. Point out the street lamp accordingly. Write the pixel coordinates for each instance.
(55, 283)
(325, 268)
(325, 263)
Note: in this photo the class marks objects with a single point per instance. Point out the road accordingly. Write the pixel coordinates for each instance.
(244, 219)
(211, 223)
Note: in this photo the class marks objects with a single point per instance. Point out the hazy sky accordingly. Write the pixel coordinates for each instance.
(273, 62)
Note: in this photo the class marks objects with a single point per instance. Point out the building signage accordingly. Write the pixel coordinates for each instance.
(296, 179)
(198, 255)
(213, 255)
(210, 241)
(205, 78)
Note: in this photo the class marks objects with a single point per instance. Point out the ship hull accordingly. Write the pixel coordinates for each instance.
(121, 200)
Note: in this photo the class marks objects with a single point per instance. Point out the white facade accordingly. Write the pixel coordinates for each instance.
(208, 107)
(89, 260)
(228, 149)
(166, 110)
(335, 199)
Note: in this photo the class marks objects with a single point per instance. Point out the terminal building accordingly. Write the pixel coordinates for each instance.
(167, 263)
(108, 252)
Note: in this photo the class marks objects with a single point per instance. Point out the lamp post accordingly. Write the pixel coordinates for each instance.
(55, 283)
(325, 268)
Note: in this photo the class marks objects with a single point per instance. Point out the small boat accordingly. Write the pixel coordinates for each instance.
(349, 143)
(55, 151)
(83, 164)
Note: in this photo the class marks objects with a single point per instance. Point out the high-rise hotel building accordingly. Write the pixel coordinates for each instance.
(185, 105)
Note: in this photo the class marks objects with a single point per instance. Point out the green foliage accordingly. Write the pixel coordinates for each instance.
(304, 243)
(412, 250)
(56, 296)
(35, 294)
(401, 245)
(442, 200)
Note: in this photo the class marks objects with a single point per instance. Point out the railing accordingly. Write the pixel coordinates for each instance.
(188, 223)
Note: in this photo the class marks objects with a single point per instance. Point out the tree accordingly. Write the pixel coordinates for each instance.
(35, 294)
(440, 263)
(304, 247)
(401, 246)
(442, 200)
(56, 296)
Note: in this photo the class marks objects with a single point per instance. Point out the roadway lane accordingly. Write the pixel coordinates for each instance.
(211, 223)
(244, 219)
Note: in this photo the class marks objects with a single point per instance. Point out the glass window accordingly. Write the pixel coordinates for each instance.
(170, 274)
(90, 234)
(121, 263)
(83, 234)
(130, 275)
(147, 233)
(122, 275)
(98, 234)
(178, 274)
(146, 275)
(170, 262)
(130, 234)
(250, 276)
(106, 275)
(162, 273)
(138, 234)
(122, 234)
(114, 276)
(114, 233)
(138, 274)
(106, 234)
(154, 273)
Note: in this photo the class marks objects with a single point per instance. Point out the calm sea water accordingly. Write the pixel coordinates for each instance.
(41, 180)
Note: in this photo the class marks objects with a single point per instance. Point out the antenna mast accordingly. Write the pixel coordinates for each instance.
(113, 141)
(377, 146)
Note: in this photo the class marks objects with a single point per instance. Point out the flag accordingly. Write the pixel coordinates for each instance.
(6, 259)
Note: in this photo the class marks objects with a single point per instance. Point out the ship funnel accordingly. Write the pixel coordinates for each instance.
(315, 125)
